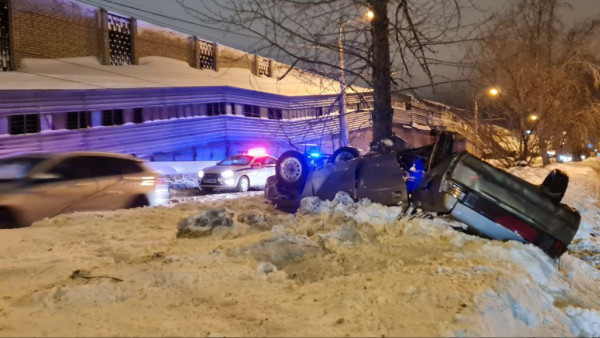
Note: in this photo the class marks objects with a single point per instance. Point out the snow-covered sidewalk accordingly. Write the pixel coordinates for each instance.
(334, 269)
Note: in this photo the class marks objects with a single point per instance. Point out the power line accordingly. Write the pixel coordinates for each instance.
(136, 10)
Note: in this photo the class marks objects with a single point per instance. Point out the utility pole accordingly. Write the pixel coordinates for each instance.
(343, 121)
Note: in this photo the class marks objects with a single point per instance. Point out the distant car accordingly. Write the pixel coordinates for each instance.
(36, 186)
(239, 172)
(442, 179)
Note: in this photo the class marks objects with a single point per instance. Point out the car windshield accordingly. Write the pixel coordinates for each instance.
(16, 168)
(237, 160)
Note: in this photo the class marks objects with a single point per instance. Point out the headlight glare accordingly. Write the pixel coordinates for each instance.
(201, 173)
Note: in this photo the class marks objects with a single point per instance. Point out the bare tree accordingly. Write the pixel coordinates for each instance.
(548, 77)
(400, 43)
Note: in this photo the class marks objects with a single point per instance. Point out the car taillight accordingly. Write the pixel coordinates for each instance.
(557, 249)
(160, 181)
(454, 189)
(518, 226)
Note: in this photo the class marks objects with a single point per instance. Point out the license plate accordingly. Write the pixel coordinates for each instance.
(210, 180)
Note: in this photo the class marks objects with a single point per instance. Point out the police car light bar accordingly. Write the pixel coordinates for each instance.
(257, 152)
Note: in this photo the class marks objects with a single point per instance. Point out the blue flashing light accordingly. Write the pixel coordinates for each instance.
(314, 155)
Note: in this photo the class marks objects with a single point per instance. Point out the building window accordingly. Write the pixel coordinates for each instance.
(206, 51)
(79, 120)
(23, 124)
(319, 111)
(4, 37)
(407, 106)
(251, 111)
(274, 114)
(138, 117)
(112, 117)
(119, 40)
(214, 109)
(264, 66)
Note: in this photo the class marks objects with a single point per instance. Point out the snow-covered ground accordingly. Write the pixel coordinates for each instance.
(333, 269)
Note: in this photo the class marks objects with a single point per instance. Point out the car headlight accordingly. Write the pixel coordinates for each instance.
(201, 173)
(227, 173)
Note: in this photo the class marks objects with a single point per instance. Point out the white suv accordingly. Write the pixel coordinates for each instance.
(36, 186)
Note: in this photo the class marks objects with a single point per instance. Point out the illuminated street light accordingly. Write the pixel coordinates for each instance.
(533, 117)
(370, 15)
(493, 91)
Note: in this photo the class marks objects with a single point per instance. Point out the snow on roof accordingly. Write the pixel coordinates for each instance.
(154, 71)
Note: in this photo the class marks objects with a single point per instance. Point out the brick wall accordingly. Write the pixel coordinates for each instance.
(65, 28)
(233, 58)
(53, 29)
(155, 41)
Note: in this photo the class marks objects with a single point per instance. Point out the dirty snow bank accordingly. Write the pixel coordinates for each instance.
(336, 268)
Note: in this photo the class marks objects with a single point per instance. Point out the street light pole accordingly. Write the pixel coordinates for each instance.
(493, 92)
(476, 127)
(343, 122)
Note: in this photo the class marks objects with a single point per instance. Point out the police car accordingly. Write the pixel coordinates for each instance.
(239, 172)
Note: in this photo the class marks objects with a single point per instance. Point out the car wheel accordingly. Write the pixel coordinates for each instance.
(139, 202)
(207, 189)
(555, 185)
(7, 220)
(243, 184)
(344, 154)
(441, 149)
(291, 169)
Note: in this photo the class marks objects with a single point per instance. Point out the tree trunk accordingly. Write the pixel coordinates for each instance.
(382, 113)
(544, 151)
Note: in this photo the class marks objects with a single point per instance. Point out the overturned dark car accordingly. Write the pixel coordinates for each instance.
(442, 179)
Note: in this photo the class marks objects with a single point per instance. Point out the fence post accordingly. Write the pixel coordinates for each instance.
(103, 50)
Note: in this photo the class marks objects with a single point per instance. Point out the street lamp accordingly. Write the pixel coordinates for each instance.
(343, 123)
(533, 117)
(493, 92)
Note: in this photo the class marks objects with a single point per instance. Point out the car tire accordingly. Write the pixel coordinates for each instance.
(243, 184)
(555, 185)
(139, 202)
(344, 154)
(291, 170)
(441, 150)
(7, 219)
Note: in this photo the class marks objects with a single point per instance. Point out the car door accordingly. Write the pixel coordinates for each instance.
(52, 196)
(255, 172)
(113, 190)
(268, 168)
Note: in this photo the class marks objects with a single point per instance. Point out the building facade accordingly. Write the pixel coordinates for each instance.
(77, 77)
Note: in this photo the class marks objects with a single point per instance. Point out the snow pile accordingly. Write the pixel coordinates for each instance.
(336, 268)
(343, 204)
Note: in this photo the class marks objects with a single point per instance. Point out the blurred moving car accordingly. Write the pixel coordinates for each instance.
(441, 178)
(239, 172)
(44, 185)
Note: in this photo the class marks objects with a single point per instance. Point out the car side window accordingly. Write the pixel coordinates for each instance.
(75, 168)
(260, 160)
(108, 166)
(270, 161)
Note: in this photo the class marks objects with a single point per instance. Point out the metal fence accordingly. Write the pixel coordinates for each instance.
(119, 40)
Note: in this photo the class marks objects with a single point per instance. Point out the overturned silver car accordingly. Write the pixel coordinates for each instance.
(439, 179)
